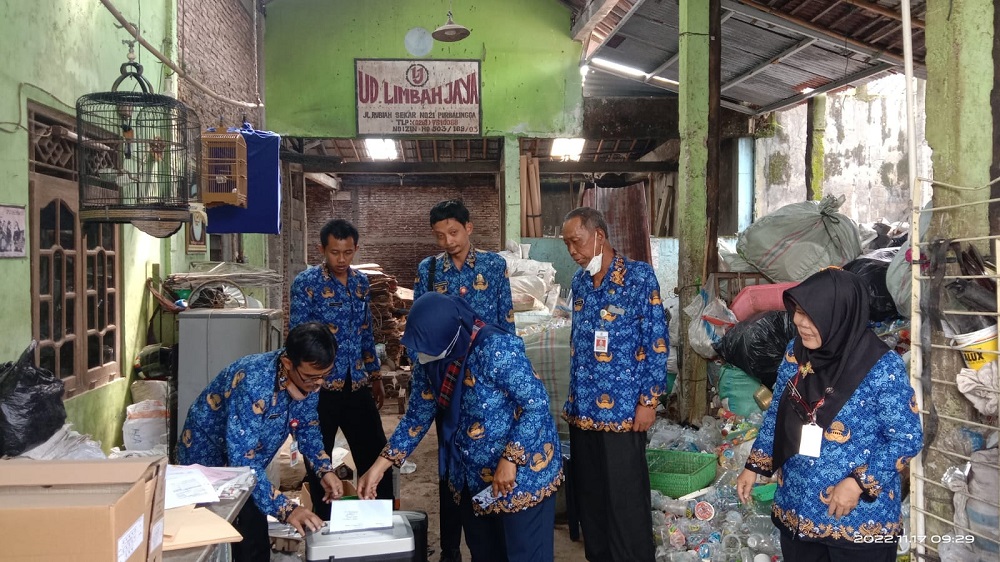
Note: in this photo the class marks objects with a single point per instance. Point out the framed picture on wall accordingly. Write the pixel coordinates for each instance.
(12, 235)
(197, 238)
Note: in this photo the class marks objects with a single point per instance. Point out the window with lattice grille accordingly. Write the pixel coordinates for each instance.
(75, 268)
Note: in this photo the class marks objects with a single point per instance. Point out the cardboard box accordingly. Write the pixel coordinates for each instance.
(83, 510)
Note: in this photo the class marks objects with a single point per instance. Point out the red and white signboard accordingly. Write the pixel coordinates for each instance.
(418, 97)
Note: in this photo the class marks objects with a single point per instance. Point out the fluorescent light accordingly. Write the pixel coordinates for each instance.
(567, 149)
(614, 66)
(807, 90)
(666, 80)
(381, 149)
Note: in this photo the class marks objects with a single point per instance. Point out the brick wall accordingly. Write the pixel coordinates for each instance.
(216, 43)
(393, 222)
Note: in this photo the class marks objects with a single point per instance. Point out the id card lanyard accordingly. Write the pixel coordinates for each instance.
(294, 456)
(811, 439)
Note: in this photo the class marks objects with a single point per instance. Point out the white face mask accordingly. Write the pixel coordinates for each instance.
(594, 266)
(424, 358)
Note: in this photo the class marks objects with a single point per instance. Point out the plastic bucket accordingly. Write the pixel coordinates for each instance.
(975, 347)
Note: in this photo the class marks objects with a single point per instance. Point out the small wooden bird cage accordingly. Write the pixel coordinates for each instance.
(223, 169)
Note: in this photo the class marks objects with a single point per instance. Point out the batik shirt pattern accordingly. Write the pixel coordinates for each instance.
(317, 296)
(482, 282)
(871, 439)
(606, 386)
(505, 413)
(243, 417)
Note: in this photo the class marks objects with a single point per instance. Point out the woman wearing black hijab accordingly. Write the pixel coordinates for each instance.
(843, 427)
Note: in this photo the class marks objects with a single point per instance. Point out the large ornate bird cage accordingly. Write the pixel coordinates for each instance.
(138, 156)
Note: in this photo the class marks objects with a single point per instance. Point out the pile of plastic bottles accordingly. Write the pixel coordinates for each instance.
(715, 525)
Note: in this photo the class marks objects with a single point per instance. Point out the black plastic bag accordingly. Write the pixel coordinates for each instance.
(31, 406)
(872, 268)
(757, 344)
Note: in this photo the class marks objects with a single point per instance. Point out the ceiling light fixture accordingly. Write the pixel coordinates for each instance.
(567, 149)
(615, 67)
(666, 80)
(450, 31)
(381, 149)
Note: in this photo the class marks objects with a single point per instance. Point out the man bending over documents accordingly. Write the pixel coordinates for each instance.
(244, 416)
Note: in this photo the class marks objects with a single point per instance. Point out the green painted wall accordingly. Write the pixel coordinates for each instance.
(55, 51)
(959, 38)
(531, 84)
(530, 64)
(959, 81)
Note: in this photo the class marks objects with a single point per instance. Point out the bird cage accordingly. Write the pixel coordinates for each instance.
(224, 169)
(137, 155)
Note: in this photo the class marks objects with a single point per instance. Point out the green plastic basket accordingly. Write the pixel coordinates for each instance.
(678, 473)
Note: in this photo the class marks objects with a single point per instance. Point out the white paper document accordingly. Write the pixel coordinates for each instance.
(360, 515)
(187, 486)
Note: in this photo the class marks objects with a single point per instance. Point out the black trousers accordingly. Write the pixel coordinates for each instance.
(522, 536)
(356, 413)
(451, 516)
(804, 551)
(252, 524)
(611, 488)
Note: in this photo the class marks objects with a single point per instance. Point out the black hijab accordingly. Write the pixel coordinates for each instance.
(837, 303)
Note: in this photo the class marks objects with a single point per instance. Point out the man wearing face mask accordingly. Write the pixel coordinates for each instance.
(244, 416)
(618, 369)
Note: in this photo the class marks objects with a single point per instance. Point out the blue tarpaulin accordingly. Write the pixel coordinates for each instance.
(263, 212)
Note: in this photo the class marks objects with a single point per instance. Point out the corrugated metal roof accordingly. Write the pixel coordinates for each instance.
(852, 41)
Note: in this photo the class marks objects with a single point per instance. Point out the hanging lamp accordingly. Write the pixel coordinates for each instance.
(450, 31)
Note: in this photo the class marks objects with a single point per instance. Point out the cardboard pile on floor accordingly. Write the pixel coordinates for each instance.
(388, 301)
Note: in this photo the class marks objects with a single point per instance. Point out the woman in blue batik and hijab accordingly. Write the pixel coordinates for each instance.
(842, 429)
(500, 442)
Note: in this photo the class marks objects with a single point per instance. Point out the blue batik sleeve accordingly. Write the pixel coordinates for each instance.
(299, 303)
(420, 411)
(505, 302)
(420, 283)
(899, 423)
(372, 364)
(244, 428)
(761, 459)
(531, 403)
(309, 436)
(653, 371)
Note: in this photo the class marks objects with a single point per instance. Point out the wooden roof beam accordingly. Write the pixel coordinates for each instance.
(593, 13)
(756, 10)
(869, 6)
(803, 44)
(591, 52)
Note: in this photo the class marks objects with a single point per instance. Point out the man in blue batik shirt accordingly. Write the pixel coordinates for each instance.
(618, 369)
(480, 278)
(336, 295)
(244, 416)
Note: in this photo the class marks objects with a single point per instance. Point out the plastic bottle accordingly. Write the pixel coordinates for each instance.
(761, 544)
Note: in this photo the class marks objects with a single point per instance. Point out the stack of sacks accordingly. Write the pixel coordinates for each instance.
(534, 291)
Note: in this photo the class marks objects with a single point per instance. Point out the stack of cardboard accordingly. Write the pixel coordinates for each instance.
(83, 510)
(388, 303)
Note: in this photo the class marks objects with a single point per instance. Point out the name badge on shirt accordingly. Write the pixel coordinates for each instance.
(812, 438)
(294, 455)
(601, 341)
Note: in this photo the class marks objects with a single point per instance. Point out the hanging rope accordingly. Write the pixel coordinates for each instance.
(135, 33)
